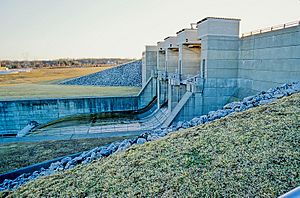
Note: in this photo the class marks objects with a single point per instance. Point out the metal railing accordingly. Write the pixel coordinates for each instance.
(270, 29)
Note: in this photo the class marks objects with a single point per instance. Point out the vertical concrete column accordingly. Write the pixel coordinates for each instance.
(171, 47)
(149, 63)
(175, 93)
(161, 56)
(161, 70)
(219, 60)
(162, 91)
(187, 61)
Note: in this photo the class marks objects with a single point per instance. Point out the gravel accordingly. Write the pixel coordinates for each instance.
(128, 74)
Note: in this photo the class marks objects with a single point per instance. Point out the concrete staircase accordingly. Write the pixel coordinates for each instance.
(177, 109)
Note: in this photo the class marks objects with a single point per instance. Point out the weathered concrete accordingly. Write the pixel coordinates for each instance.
(162, 92)
(149, 63)
(172, 50)
(16, 114)
(175, 93)
(161, 56)
(212, 62)
(269, 59)
(189, 53)
(235, 67)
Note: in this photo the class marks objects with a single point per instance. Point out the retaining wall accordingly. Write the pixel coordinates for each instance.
(15, 114)
(269, 59)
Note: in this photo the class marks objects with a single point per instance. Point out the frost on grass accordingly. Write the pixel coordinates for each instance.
(252, 153)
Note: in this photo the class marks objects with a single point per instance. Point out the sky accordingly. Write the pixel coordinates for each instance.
(52, 29)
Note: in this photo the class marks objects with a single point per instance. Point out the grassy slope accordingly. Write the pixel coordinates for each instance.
(40, 83)
(252, 153)
(17, 155)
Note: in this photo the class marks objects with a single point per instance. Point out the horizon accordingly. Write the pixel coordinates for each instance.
(69, 29)
(57, 59)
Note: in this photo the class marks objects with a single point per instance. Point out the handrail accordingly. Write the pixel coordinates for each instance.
(270, 29)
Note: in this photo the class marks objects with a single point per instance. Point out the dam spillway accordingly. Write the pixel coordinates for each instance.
(196, 71)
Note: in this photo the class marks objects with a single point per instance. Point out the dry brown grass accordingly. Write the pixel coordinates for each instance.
(36, 91)
(249, 154)
(45, 76)
(41, 83)
(18, 155)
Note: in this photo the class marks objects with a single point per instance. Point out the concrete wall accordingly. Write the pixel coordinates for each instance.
(149, 63)
(269, 59)
(189, 53)
(170, 42)
(219, 62)
(219, 68)
(15, 115)
(171, 60)
(175, 93)
(189, 61)
(193, 108)
(148, 93)
(144, 69)
(187, 36)
(228, 66)
(162, 91)
(239, 67)
(161, 60)
(218, 27)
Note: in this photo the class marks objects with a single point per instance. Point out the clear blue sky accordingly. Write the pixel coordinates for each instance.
(51, 29)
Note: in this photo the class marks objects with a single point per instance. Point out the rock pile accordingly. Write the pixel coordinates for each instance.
(69, 163)
(100, 152)
(128, 74)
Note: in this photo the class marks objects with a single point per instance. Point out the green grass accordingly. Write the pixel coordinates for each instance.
(251, 154)
(18, 155)
(29, 91)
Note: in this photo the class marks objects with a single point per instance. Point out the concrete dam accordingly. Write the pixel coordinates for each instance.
(189, 74)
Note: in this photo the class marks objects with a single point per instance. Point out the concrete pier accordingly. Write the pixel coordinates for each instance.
(172, 52)
(149, 63)
(189, 53)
